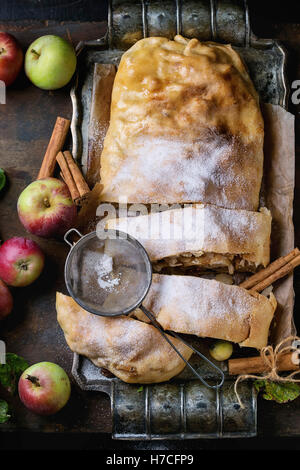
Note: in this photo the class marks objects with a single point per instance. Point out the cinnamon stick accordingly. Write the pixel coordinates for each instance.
(56, 143)
(270, 270)
(62, 176)
(77, 175)
(286, 269)
(256, 365)
(67, 176)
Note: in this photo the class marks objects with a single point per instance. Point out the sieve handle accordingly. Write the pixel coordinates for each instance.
(175, 335)
(68, 233)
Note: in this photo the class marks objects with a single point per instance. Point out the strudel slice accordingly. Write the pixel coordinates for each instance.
(208, 308)
(203, 236)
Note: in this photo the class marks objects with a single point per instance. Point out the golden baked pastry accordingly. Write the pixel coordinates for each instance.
(209, 308)
(132, 350)
(185, 126)
(202, 235)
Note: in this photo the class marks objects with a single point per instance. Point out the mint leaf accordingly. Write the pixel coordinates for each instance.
(2, 179)
(259, 384)
(17, 362)
(11, 371)
(4, 416)
(281, 392)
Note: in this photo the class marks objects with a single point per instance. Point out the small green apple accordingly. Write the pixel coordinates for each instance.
(50, 62)
(221, 350)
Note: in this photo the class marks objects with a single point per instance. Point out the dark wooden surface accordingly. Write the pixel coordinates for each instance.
(61, 10)
(32, 330)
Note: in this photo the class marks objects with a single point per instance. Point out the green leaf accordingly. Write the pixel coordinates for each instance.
(259, 384)
(2, 179)
(4, 416)
(141, 389)
(11, 371)
(281, 392)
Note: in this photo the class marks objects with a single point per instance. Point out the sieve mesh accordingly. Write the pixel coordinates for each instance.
(108, 276)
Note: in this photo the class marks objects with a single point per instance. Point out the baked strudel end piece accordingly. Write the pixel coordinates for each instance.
(132, 350)
(185, 126)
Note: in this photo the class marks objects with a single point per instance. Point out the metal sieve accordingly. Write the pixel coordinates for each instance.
(110, 275)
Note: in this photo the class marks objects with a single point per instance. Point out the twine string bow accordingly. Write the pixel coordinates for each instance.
(271, 356)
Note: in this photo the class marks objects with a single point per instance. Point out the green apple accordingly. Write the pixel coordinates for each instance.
(50, 62)
(221, 350)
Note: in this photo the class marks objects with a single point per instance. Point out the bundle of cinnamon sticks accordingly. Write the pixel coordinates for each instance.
(70, 171)
(276, 270)
(73, 177)
(257, 283)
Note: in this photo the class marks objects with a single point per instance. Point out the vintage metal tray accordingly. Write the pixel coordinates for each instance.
(181, 408)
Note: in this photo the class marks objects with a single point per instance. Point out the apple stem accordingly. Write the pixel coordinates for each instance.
(34, 380)
(24, 266)
(2, 50)
(46, 202)
(36, 53)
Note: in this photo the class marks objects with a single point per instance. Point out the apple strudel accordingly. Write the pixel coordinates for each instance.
(132, 350)
(208, 308)
(185, 126)
(202, 236)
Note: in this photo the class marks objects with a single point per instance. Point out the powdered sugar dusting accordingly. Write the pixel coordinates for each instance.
(204, 170)
(203, 307)
(200, 228)
(198, 297)
(97, 133)
(104, 268)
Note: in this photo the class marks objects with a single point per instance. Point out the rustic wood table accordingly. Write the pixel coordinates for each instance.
(32, 331)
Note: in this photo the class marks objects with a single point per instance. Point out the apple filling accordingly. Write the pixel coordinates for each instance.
(216, 261)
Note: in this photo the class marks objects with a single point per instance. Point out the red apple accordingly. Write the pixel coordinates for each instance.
(6, 301)
(44, 388)
(11, 58)
(46, 208)
(21, 261)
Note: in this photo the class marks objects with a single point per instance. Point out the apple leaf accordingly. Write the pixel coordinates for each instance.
(11, 371)
(281, 392)
(2, 179)
(4, 416)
